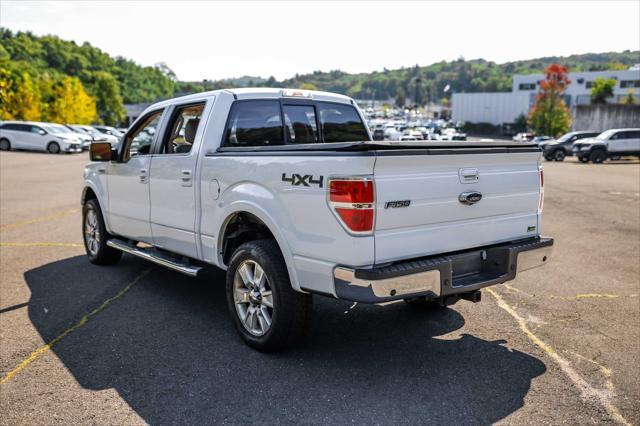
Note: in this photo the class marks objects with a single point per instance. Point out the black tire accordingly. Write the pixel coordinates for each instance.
(559, 155)
(5, 145)
(101, 253)
(548, 157)
(584, 159)
(53, 148)
(291, 311)
(597, 156)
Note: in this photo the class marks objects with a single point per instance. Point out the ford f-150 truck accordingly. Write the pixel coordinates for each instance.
(287, 192)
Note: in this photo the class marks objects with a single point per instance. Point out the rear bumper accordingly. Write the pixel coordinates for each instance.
(444, 275)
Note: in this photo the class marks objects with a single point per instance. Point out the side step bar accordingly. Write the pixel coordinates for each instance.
(154, 256)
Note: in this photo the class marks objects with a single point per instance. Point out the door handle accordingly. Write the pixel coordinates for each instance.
(144, 176)
(186, 177)
(101, 171)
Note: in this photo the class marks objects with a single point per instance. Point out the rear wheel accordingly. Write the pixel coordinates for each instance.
(53, 148)
(95, 236)
(597, 156)
(5, 145)
(268, 314)
(559, 155)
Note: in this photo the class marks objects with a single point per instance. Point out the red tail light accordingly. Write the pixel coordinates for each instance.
(353, 200)
(541, 202)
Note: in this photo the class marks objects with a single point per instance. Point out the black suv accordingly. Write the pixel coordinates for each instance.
(556, 150)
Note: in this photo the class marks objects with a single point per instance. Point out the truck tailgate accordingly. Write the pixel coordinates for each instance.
(435, 220)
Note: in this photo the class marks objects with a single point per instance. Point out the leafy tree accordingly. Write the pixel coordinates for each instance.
(602, 89)
(19, 95)
(308, 86)
(108, 98)
(630, 99)
(71, 103)
(401, 99)
(550, 115)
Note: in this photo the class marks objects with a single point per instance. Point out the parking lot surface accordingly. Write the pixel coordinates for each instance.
(135, 343)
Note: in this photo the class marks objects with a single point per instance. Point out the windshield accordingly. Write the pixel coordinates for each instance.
(565, 137)
(605, 135)
(52, 128)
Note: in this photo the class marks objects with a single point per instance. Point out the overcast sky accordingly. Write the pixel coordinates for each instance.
(217, 40)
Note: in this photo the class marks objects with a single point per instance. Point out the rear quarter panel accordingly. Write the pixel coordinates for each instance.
(309, 235)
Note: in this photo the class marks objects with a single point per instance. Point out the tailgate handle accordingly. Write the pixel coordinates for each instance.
(468, 175)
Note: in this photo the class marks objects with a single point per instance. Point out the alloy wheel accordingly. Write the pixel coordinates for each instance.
(92, 232)
(253, 298)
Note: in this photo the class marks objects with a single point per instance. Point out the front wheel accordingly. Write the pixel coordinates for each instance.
(5, 145)
(95, 236)
(559, 155)
(597, 156)
(584, 159)
(268, 314)
(53, 148)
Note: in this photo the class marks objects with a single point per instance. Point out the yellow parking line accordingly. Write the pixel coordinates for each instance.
(40, 244)
(587, 391)
(85, 318)
(39, 219)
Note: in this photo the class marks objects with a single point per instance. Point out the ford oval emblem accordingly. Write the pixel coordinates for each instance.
(470, 197)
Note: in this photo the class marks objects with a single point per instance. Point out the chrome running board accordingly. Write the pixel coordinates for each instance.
(155, 256)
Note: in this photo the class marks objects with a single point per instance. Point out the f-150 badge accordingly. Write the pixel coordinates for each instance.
(304, 180)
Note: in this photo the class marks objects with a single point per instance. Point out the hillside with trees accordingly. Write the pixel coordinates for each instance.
(47, 78)
(50, 79)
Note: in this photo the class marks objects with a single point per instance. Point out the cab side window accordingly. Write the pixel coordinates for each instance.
(182, 129)
(254, 123)
(139, 141)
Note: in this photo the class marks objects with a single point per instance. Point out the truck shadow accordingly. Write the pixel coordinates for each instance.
(169, 349)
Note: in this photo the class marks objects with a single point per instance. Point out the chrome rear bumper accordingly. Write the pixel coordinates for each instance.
(444, 275)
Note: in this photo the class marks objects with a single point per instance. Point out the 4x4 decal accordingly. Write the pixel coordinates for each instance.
(306, 180)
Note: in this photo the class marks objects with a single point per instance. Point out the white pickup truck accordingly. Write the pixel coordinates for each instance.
(286, 191)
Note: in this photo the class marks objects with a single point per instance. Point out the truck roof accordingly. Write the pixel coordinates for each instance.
(261, 93)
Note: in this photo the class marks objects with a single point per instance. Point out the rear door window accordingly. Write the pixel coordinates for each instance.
(341, 123)
(254, 123)
(300, 123)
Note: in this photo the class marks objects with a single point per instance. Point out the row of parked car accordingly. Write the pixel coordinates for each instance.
(588, 145)
(53, 137)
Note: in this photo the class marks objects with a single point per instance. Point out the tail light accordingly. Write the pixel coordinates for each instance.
(353, 201)
(541, 201)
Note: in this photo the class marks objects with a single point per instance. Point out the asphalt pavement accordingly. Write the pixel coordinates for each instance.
(135, 343)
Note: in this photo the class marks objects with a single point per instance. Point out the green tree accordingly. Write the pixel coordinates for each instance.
(401, 99)
(550, 115)
(19, 96)
(71, 103)
(308, 86)
(109, 101)
(630, 99)
(602, 89)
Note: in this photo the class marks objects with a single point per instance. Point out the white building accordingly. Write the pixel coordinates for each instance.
(499, 108)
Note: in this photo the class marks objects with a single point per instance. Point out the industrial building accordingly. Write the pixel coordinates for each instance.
(499, 108)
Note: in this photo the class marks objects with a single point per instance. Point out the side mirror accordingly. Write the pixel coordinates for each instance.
(100, 151)
(42, 132)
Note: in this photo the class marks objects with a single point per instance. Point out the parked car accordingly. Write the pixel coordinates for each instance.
(612, 143)
(108, 130)
(294, 198)
(97, 135)
(378, 134)
(523, 137)
(451, 134)
(541, 139)
(34, 136)
(557, 150)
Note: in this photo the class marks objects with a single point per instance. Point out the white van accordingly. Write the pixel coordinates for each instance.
(34, 136)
